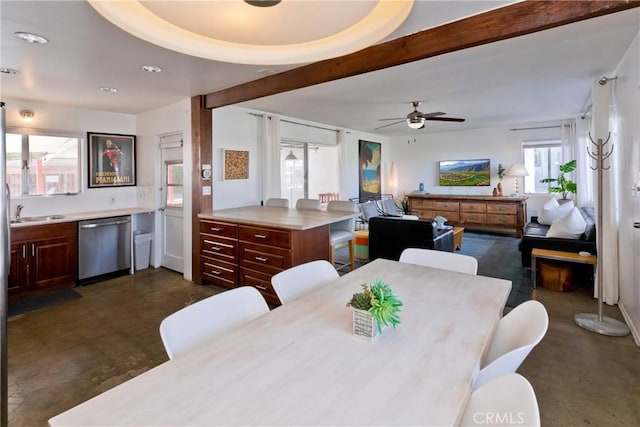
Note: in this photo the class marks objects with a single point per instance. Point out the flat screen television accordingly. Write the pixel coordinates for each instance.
(470, 173)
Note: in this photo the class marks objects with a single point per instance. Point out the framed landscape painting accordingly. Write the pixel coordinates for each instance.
(112, 159)
(369, 157)
(469, 173)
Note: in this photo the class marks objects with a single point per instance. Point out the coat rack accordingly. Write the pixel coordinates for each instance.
(597, 322)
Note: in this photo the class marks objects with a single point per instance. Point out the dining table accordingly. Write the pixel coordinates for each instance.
(300, 364)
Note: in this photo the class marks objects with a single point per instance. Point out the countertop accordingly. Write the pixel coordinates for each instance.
(81, 216)
(269, 216)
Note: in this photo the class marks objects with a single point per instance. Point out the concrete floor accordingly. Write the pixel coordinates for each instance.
(63, 355)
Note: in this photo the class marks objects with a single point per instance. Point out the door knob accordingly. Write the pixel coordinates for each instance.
(636, 225)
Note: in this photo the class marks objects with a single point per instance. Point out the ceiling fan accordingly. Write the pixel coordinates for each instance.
(417, 120)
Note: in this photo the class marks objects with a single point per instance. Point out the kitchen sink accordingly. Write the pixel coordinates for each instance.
(37, 218)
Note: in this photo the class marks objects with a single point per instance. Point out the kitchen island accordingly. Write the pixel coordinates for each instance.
(246, 246)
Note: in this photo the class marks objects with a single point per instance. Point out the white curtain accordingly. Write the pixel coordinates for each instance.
(342, 155)
(583, 174)
(605, 122)
(270, 153)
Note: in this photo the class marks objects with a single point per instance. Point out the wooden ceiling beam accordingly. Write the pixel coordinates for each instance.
(499, 24)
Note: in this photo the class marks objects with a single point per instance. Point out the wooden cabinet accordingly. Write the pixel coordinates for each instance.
(43, 257)
(242, 255)
(481, 212)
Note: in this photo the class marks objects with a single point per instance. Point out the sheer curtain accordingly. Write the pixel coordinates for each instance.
(342, 155)
(583, 174)
(605, 121)
(270, 153)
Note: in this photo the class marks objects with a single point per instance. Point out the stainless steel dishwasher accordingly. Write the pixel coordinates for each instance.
(104, 248)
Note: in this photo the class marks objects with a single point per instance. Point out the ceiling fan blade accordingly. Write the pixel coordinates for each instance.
(437, 113)
(395, 118)
(389, 124)
(445, 119)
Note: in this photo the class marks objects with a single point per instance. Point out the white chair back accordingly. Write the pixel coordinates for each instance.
(517, 333)
(302, 279)
(343, 206)
(200, 321)
(388, 207)
(308, 204)
(508, 400)
(369, 210)
(279, 203)
(440, 259)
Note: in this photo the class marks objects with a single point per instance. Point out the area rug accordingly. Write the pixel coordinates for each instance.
(41, 301)
(498, 256)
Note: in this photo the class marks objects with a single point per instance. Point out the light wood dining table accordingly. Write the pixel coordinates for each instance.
(300, 364)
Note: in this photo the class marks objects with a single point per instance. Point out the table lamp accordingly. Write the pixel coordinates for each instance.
(516, 170)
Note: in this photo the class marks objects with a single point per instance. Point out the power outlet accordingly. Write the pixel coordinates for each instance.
(112, 200)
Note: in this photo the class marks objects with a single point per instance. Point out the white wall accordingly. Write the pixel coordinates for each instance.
(80, 121)
(236, 128)
(150, 127)
(417, 160)
(627, 91)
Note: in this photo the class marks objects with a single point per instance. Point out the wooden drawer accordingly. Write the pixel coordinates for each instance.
(219, 229)
(264, 258)
(219, 272)
(473, 218)
(420, 204)
(217, 247)
(265, 236)
(502, 208)
(260, 281)
(451, 216)
(502, 219)
(473, 207)
(444, 206)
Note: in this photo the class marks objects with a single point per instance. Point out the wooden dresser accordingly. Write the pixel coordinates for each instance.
(247, 246)
(473, 212)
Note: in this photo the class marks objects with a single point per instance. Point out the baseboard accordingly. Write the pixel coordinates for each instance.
(632, 327)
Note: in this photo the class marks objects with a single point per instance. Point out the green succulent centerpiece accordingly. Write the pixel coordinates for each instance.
(379, 300)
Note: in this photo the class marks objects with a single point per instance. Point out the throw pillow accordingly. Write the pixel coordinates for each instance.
(571, 226)
(551, 211)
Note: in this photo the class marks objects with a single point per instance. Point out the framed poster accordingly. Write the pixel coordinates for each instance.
(236, 164)
(369, 157)
(112, 159)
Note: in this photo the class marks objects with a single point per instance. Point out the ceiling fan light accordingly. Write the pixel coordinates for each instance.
(415, 122)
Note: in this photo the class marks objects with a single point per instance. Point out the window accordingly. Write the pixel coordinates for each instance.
(42, 164)
(541, 159)
(174, 184)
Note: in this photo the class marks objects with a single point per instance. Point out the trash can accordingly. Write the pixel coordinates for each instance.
(142, 249)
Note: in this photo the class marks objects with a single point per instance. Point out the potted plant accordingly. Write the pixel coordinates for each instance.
(404, 204)
(501, 171)
(375, 304)
(564, 185)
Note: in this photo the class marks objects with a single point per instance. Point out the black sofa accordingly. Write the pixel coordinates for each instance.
(388, 237)
(534, 237)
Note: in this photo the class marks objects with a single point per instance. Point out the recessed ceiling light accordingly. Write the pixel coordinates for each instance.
(9, 70)
(152, 68)
(31, 38)
(108, 89)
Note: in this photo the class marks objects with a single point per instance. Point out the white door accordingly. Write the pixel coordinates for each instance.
(172, 216)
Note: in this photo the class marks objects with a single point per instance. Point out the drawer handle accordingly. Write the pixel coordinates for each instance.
(262, 259)
(260, 236)
(262, 288)
(216, 248)
(216, 229)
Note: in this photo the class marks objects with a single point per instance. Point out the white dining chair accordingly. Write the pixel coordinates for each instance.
(276, 202)
(343, 232)
(302, 279)
(309, 204)
(516, 335)
(508, 400)
(201, 321)
(440, 259)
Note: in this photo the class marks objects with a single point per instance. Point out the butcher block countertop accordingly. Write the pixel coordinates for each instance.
(269, 216)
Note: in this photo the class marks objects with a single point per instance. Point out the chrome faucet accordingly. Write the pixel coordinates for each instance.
(18, 210)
